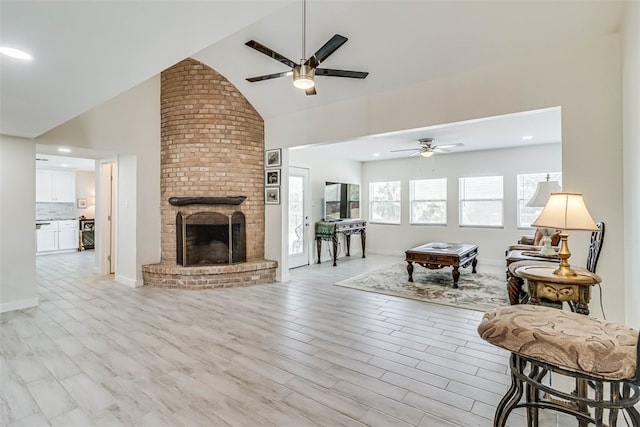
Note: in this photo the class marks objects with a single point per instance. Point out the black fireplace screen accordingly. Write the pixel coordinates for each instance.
(210, 238)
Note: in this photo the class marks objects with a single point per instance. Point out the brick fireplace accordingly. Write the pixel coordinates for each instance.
(212, 184)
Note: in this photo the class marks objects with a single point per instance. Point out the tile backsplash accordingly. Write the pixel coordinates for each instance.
(45, 211)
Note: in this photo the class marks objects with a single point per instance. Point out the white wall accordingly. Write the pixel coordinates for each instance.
(631, 151)
(128, 127)
(86, 189)
(17, 224)
(324, 165)
(585, 80)
(395, 239)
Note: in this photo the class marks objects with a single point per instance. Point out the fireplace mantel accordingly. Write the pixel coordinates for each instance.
(227, 200)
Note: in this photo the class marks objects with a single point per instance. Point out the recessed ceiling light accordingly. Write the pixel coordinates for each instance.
(527, 137)
(376, 154)
(65, 165)
(15, 53)
(64, 150)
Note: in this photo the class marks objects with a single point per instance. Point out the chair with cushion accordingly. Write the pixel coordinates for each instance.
(602, 357)
(534, 243)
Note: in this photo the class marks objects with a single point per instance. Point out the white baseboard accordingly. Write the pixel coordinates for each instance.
(127, 281)
(19, 305)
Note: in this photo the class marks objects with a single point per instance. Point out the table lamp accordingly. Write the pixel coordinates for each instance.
(539, 199)
(565, 211)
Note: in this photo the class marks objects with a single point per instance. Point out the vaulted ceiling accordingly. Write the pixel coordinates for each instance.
(88, 52)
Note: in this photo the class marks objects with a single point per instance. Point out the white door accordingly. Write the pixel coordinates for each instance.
(298, 217)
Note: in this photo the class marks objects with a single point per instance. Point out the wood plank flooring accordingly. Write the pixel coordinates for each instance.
(302, 353)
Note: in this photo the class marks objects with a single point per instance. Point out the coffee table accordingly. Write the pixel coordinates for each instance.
(436, 255)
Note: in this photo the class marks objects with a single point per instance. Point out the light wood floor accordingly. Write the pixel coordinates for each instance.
(302, 353)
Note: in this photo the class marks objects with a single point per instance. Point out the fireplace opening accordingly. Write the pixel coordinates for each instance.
(210, 238)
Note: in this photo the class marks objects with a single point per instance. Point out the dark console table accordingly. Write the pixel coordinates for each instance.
(328, 230)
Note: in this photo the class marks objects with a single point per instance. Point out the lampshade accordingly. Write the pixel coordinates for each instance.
(566, 211)
(303, 76)
(544, 189)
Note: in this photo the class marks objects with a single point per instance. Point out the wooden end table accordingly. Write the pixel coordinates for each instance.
(542, 283)
(454, 255)
(517, 258)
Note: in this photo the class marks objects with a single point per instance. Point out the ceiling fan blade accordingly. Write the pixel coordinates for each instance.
(270, 76)
(327, 49)
(440, 150)
(311, 91)
(270, 53)
(407, 149)
(341, 73)
(445, 146)
(415, 154)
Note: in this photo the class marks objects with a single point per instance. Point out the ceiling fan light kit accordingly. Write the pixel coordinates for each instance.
(303, 77)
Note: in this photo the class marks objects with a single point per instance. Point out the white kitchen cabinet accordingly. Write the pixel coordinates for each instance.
(67, 235)
(47, 237)
(57, 236)
(55, 185)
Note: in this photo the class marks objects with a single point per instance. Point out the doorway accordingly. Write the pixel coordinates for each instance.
(299, 207)
(105, 217)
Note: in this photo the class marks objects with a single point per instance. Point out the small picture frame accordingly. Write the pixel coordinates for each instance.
(272, 195)
(273, 158)
(82, 203)
(272, 177)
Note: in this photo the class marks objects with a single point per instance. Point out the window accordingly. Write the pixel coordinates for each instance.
(384, 205)
(481, 201)
(527, 184)
(428, 201)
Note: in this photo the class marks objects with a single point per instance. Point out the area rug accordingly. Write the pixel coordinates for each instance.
(480, 291)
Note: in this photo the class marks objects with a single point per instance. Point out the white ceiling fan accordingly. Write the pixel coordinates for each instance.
(428, 148)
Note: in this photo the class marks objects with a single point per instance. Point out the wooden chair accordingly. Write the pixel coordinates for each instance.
(602, 357)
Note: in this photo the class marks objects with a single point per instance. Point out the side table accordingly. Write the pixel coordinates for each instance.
(542, 283)
(515, 259)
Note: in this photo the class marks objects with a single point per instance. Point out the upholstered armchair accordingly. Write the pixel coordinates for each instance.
(533, 243)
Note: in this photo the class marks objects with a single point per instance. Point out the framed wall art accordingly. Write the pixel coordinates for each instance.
(272, 195)
(272, 177)
(273, 158)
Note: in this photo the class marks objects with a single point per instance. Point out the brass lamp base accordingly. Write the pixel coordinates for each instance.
(564, 269)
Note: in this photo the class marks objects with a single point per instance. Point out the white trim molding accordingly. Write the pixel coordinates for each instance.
(19, 305)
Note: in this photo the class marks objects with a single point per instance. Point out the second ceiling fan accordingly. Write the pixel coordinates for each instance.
(428, 148)
(304, 73)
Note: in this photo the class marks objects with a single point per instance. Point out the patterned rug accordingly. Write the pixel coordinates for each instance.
(480, 291)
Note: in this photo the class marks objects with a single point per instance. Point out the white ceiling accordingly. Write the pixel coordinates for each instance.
(88, 52)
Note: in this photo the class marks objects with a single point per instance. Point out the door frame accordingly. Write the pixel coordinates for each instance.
(306, 202)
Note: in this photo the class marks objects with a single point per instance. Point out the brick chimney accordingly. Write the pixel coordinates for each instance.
(212, 146)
